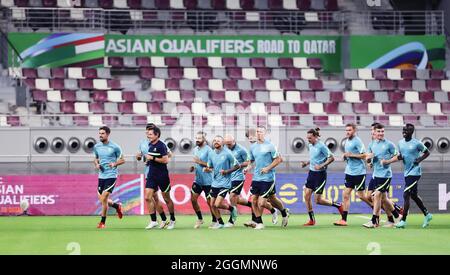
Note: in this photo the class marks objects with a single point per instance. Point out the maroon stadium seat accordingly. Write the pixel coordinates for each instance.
(154, 107)
(437, 74)
(109, 120)
(159, 96)
(396, 96)
(146, 73)
(13, 120)
(213, 108)
(230, 84)
(129, 96)
(387, 85)
(275, 4)
(441, 121)
(314, 63)
(308, 96)
(390, 108)
(89, 73)
(139, 120)
(331, 108)
(205, 73)
(412, 119)
(426, 97)
(58, 73)
(125, 108)
(361, 108)
(86, 84)
(294, 73)
(81, 120)
(67, 107)
(419, 108)
(96, 107)
(39, 96)
(320, 120)
(404, 85)
(134, 4)
(304, 5)
(259, 84)
(143, 62)
(68, 95)
(445, 107)
(187, 96)
(218, 96)
(176, 72)
(234, 72)
(114, 84)
(379, 74)
(285, 62)
(229, 62)
(366, 96)
(172, 61)
(162, 4)
(433, 85)
(115, 62)
(100, 96)
(301, 108)
(336, 96)
(315, 85)
(200, 62)
(29, 73)
(247, 4)
(264, 73)
(248, 96)
(190, 4)
(201, 84)
(408, 74)
(257, 62)
(287, 84)
(49, 3)
(57, 83)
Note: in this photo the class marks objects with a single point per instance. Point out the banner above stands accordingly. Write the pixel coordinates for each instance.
(90, 49)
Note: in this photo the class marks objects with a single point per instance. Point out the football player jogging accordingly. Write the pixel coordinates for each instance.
(108, 156)
(410, 150)
(142, 151)
(250, 134)
(319, 159)
(392, 209)
(158, 176)
(203, 180)
(265, 157)
(380, 153)
(237, 177)
(222, 164)
(355, 171)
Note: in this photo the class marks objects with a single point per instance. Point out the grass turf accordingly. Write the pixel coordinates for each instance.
(54, 235)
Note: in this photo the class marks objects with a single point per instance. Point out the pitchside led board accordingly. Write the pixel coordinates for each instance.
(77, 194)
(89, 49)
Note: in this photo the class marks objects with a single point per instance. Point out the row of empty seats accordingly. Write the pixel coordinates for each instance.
(394, 74)
(403, 85)
(304, 5)
(201, 108)
(72, 84)
(238, 96)
(232, 120)
(215, 62)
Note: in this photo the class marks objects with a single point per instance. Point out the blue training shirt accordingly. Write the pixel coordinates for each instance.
(202, 178)
(383, 149)
(318, 154)
(107, 153)
(221, 160)
(355, 167)
(263, 155)
(241, 154)
(410, 151)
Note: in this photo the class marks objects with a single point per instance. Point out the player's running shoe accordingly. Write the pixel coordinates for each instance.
(171, 225)
(101, 225)
(198, 223)
(340, 223)
(119, 210)
(427, 219)
(400, 224)
(152, 225)
(310, 223)
(251, 224)
(285, 220)
(163, 224)
(389, 224)
(275, 216)
(229, 225)
(213, 224)
(218, 226)
(369, 224)
(259, 226)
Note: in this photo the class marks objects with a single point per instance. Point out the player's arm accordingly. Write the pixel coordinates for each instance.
(356, 156)
(303, 164)
(234, 163)
(426, 154)
(328, 161)
(277, 159)
(119, 161)
(200, 162)
(97, 164)
(394, 157)
(209, 165)
(163, 159)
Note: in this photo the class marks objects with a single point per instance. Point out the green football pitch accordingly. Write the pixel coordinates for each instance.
(68, 235)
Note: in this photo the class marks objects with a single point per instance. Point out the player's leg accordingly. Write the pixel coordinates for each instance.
(320, 181)
(104, 201)
(195, 193)
(278, 204)
(261, 202)
(170, 206)
(222, 204)
(345, 206)
(309, 206)
(159, 208)
(148, 194)
(220, 224)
